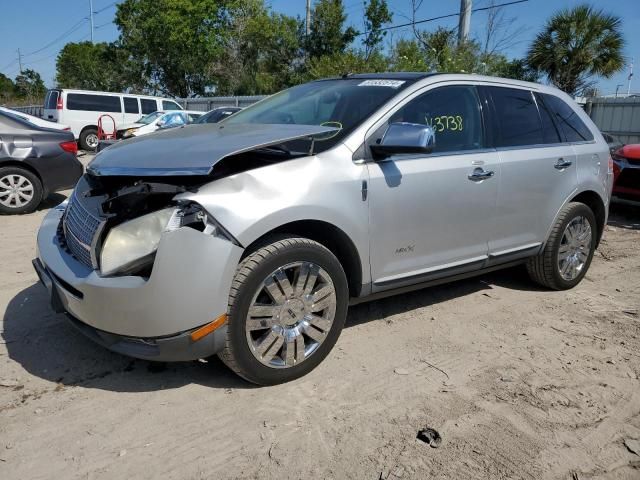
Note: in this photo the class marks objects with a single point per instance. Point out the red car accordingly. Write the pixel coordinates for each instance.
(626, 172)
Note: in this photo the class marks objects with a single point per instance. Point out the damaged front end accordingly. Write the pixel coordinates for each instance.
(114, 224)
(126, 201)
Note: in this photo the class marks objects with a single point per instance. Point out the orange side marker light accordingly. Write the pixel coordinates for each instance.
(208, 328)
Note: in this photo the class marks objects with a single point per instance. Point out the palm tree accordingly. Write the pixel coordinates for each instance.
(576, 45)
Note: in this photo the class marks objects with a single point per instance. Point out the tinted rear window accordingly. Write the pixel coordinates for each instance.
(148, 106)
(131, 105)
(573, 128)
(517, 117)
(93, 103)
(549, 129)
(52, 99)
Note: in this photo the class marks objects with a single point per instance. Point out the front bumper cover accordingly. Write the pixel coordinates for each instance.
(144, 318)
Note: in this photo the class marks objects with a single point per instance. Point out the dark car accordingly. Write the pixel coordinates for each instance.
(626, 172)
(218, 114)
(34, 162)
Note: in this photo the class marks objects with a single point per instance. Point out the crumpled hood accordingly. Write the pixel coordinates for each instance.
(192, 149)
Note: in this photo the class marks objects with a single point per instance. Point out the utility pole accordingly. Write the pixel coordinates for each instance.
(629, 78)
(618, 88)
(20, 60)
(465, 20)
(308, 22)
(91, 17)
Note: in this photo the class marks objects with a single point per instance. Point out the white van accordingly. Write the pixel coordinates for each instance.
(80, 110)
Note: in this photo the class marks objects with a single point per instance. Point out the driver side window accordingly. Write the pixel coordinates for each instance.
(453, 112)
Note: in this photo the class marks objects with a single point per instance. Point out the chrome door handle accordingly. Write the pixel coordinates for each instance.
(480, 174)
(561, 164)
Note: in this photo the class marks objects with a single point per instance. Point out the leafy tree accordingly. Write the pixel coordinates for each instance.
(350, 61)
(93, 66)
(261, 52)
(7, 88)
(376, 14)
(29, 85)
(576, 45)
(171, 41)
(328, 35)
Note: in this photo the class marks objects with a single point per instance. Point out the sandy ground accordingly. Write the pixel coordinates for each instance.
(521, 383)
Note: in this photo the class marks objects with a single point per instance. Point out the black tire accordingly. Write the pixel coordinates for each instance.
(84, 144)
(251, 272)
(543, 268)
(36, 195)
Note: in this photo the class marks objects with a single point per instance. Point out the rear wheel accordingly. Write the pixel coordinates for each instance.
(287, 307)
(89, 139)
(20, 190)
(569, 250)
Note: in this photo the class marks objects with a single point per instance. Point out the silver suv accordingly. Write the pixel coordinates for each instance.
(250, 238)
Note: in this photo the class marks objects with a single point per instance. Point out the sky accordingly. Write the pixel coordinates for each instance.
(40, 28)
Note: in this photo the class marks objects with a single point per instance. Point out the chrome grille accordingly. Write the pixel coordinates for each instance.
(80, 227)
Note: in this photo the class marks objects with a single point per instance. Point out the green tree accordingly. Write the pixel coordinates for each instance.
(93, 66)
(29, 86)
(376, 14)
(261, 51)
(350, 61)
(576, 45)
(328, 35)
(7, 88)
(171, 41)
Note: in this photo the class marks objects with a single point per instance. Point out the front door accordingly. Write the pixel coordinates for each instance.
(430, 215)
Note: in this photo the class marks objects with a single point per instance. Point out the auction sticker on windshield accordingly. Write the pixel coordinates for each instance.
(381, 83)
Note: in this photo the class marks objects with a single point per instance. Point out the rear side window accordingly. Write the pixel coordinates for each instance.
(131, 105)
(167, 105)
(549, 129)
(51, 102)
(454, 114)
(93, 103)
(517, 117)
(148, 106)
(571, 125)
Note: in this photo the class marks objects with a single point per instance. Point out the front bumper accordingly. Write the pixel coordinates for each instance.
(144, 318)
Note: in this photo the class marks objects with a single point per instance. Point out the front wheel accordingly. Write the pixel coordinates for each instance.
(287, 307)
(569, 250)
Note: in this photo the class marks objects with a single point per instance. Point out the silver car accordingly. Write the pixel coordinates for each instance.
(250, 238)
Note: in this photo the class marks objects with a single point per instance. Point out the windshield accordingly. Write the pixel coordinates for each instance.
(342, 103)
(147, 119)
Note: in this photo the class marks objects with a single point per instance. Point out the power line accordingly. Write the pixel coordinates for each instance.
(75, 27)
(104, 8)
(447, 16)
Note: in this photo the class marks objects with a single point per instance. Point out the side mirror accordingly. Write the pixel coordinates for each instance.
(160, 123)
(405, 137)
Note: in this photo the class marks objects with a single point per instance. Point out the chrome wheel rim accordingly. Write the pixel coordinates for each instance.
(575, 248)
(92, 140)
(290, 315)
(16, 191)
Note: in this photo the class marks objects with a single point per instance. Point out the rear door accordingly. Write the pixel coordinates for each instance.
(50, 111)
(430, 214)
(538, 172)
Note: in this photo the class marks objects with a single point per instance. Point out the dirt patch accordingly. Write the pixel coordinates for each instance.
(519, 382)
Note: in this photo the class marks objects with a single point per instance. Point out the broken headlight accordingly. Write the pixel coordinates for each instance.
(132, 244)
